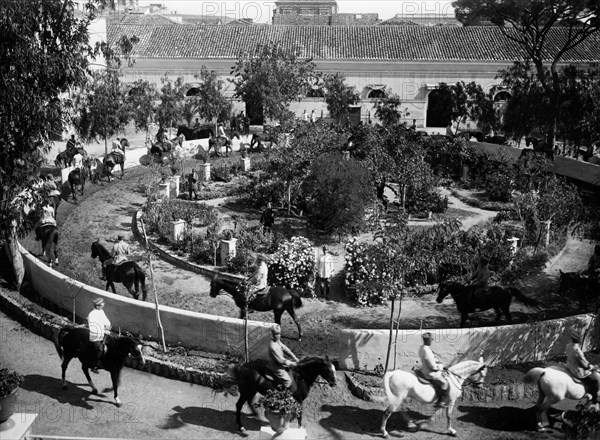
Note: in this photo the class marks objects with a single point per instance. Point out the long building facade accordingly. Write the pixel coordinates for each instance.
(409, 61)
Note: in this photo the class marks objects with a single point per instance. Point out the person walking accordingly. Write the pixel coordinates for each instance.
(433, 370)
(313, 116)
(99, 325)
(579, 366)
(324, 273)
(267, 219)
(278, 363)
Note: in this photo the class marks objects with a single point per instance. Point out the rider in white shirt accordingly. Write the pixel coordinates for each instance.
(99, 325)
(258, 280)
(433, 370)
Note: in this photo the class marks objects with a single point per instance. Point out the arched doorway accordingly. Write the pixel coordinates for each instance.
(502, 96)
(194, 91)
(439, 109)
(376, 94)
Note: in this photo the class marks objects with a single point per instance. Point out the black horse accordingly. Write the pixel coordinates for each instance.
(539, 146)
(254, 377)
(49, 236)
(278, 299)
(77, 177)
(579, 284)
(112, 159)
(66, 158)
(262, 141)
(74, 342)
(468, 300)
(216, 143)
(194, 133)
(128, 273)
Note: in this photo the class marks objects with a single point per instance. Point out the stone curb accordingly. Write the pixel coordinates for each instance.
(172, 258)
(487, 393)
(43, 327)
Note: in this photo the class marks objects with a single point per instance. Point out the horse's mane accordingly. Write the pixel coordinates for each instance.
(310, 360)
(465, 367)
(101, 247)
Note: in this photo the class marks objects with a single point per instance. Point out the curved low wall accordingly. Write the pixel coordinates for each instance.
(207, 332)
(365, 349)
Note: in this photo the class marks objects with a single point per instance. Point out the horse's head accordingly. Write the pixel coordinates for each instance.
(134, 348)
(443, 291)
(97, 249)
(328, 372)
(215, 286)
(478, 376)
(314, 366)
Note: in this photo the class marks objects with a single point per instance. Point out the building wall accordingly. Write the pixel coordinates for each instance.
(412, 81)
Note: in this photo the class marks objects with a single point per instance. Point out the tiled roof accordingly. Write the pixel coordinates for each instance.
(140, 19)
(409, 43)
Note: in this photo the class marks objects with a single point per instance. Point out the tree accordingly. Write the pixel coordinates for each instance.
(44, 54)
(466, 100)
(172, 99)
(141, 105)
(212, 103)
(387, 109)
(104, 110)
(340, 191)
(532, 25)
(270, 77)
(338, 95)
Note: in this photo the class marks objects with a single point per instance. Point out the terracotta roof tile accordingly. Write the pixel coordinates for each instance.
(410, 43)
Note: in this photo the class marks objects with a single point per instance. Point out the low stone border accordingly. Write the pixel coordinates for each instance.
(174, 259)
(42, 325)
(487, 393)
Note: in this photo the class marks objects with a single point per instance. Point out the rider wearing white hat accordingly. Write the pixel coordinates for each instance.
(579, 366)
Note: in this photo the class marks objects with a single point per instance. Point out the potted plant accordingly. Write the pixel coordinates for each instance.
(9, 384)
(280, 408)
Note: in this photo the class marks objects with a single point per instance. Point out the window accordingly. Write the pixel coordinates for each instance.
(376, 94)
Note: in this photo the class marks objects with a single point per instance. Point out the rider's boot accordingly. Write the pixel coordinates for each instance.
(443, 396)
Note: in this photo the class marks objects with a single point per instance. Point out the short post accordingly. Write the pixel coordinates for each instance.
(205, 172)
(177, 228)
(228, 249)
(164, 190)
(175, 183)
(245, 164)
(346, 154)
(513, 247)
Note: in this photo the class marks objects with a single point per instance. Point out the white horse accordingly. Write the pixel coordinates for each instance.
(555, 384)
(400, 384)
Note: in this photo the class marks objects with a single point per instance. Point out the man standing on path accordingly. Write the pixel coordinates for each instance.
(267, 218)
(324, 273)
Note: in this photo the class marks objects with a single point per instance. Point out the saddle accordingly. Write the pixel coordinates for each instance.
(425, 381)
(118, 156)
(262, 291)
(261, 367)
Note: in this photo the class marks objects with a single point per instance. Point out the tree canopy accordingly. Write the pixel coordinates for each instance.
(338, 95)
(271, 77)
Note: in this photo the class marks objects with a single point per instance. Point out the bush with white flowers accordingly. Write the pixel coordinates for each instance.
(292, 263)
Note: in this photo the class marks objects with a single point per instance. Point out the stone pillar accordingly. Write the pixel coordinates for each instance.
(513, 247)
(205, 172)
(245, 164)
(177, 228)
(346, 154)
(465, 171)
(164, 190)
(175, 182)
(228, 249)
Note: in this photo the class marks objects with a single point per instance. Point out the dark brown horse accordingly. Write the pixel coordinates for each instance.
(278, 299)
(77, 177)
(128, 273)
(66, 158)
(49, 236)
(112, 159)
(469, 300)
(254, 377)
(74, 342)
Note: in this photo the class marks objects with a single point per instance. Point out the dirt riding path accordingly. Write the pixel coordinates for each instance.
(109, 212)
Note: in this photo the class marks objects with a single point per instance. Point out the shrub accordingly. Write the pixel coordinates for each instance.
(292, 264)
(221, 172)
(9, 381)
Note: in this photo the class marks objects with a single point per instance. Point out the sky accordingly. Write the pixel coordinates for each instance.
(262, 10)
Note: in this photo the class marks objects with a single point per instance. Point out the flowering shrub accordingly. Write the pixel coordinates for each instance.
(292, 263)
(281, 401)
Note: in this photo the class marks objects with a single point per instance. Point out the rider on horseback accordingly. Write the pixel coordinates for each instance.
(278, 364)
(580, 368)
(480, 278)
(117, 148)
(119, 254)
(98, 324)
(257, 282)
(433, 370)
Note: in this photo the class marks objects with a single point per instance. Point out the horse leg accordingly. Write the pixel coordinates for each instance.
(111, 284)
(507, 314)
(449, 429)
(114, 376)
(386, 415)
(63, 367)
(292, 313)
(73, 192)
(86, 371)
(540, 410)
(463, 319)
(132, 292)
(238, 413)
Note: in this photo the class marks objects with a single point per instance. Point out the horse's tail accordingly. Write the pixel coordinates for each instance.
(141, 280)
(56, 338)
(534, 375)
(296, 300)
(524, 299)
